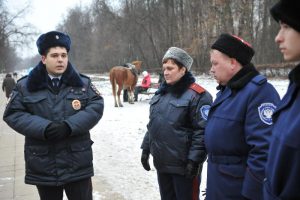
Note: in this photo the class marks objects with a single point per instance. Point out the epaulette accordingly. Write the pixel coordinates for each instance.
(197, 88)
(259, 79)
(22, 78)
(84, 75)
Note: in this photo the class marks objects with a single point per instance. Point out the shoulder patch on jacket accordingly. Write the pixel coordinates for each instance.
(95, 89)
(259, 79)
(197, 88)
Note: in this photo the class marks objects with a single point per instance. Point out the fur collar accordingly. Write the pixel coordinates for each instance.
(294, 75)
(242, 78)
(38, 78)
(178, 88)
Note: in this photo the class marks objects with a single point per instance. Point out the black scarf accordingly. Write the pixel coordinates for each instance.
(179, 87)
(38, 78)
(242, 78)
(294, 75)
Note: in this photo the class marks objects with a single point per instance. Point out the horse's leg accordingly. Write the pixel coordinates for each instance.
(114, 94)
(113, 85)
(119, 93)
(115, 99)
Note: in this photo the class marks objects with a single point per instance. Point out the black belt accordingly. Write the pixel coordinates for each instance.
(224, 159)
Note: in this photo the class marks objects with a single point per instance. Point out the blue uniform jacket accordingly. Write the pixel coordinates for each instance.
(283, 166)
(237, 139)
(34, 105)
(176, 128)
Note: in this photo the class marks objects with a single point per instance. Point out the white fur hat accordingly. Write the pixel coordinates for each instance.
(180, 55)
(145, 73)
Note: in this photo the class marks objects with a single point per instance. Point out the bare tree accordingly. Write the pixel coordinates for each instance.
(12, 35)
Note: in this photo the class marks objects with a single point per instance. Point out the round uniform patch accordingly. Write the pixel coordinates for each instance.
(76, 104)
(204, 110)
(266, 111)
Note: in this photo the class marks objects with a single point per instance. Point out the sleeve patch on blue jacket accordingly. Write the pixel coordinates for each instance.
(204, 110)
(266, 111)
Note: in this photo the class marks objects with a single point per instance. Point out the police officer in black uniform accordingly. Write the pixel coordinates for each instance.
(55, 107)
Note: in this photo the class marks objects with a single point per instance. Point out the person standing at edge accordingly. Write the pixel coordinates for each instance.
(8, 85)
(239, 122)
(174, 137)
(54, 107)
(283, 165)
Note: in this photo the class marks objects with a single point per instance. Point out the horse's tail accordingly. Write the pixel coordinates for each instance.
(112, 79)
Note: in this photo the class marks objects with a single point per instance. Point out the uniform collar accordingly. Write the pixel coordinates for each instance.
(294, 75)
(243, 77)
(38, 78)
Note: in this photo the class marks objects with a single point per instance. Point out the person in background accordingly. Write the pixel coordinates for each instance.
(283, 165)
(239, 123)
(161, 78)
(55, 108)
(146, 82)
(8, 85)
(15, 75)
(175, 132)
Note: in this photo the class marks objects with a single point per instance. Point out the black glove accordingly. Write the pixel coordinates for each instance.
(145, 160)
(192, 169)
(57, 131)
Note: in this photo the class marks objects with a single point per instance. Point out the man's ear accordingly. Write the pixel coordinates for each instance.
(234, 62)
(43, 59)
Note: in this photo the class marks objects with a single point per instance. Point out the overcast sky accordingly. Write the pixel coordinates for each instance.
(45, 15)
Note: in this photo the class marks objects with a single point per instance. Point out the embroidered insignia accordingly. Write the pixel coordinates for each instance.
(204, 110)
(266, 111)
(95, 89)
(57, 37)
(76, 104)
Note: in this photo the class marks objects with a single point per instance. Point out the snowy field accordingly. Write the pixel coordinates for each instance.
(118, 137)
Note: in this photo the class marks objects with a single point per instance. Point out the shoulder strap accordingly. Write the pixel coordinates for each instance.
(259, 79)
(197, 88)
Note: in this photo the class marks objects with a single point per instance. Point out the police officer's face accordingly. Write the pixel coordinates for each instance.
(222, 67)
(56, 60)
(288, 40)
(172, 72)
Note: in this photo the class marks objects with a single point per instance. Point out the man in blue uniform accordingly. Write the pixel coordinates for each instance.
(239, 122)
(283, 166)
(174, 137)
(55, 107)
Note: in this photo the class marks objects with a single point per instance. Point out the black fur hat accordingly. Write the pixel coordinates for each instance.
(53, 39)
(287, 11)
(234, 47)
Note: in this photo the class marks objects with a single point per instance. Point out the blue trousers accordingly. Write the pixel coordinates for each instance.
(178, 187)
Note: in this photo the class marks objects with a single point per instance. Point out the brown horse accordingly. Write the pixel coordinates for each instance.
(125, 78)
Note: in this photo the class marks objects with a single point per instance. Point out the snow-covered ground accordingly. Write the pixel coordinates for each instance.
(118, 137)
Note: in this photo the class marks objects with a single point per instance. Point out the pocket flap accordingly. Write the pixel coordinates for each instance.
(237, 171)
(82, 146)
(38, 150)
(179, 103)
(33, 99)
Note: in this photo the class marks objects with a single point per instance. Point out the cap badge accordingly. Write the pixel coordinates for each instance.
(57, 37)
(76, 104)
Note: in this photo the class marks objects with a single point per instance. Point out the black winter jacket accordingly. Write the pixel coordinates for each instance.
(176, 127)
(34, 105)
